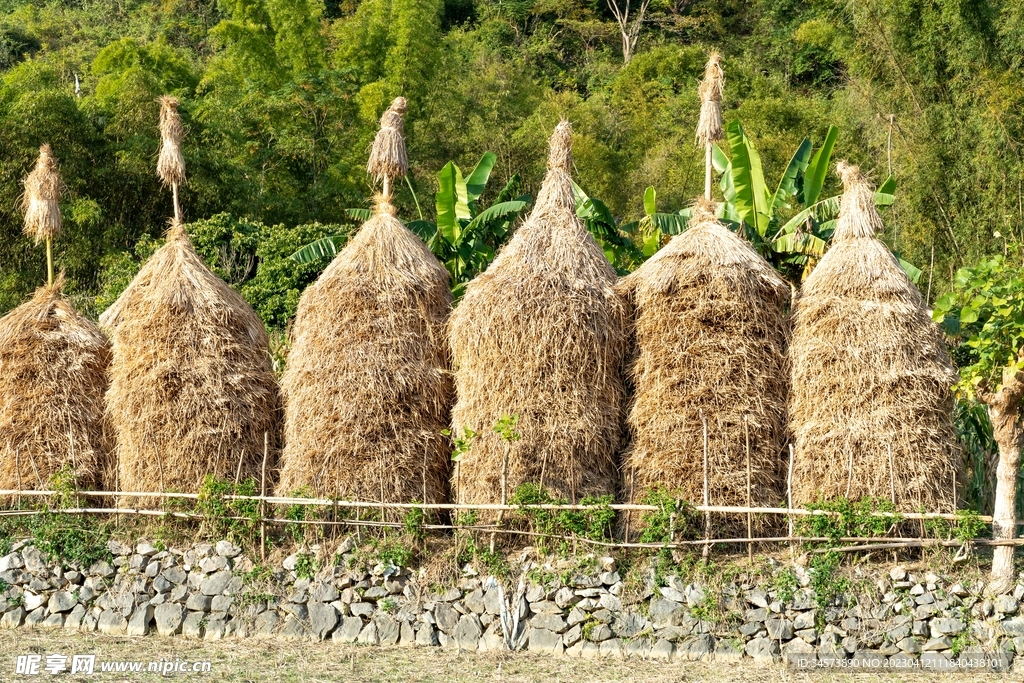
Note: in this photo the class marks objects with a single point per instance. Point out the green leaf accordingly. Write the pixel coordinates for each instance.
(319, 250)
(452, 202)
(794, 170)
(669, 223)
(361, 215)
(804, 244)
(968, 315)
(650, 201)
(510, 209)
(912, 271)
(814, 179)
(477, 180)
(748, 177)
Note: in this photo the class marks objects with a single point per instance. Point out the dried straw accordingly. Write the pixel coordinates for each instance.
(387, 156)
(170, 166)
(709, 127)
(52, 377)
(870, 373)
(191, 387)
(708, 338)
(40, 202)
(540, 335)
(367, 387)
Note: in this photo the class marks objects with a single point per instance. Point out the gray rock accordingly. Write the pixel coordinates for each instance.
(763, 649)
(467, 633)
(368, 636)
(492, 601)
(898, 633)
(751, 628)
(779, 629)
(61, 601)
(221, 603)
(610, 602)
(551, 622)
(662, 649)
(943, 643)
(542, 640)
(611, 648)
(294, 629)
(361, 609)
(32, 601)
(349, 630)
(112, 622)
(426, 636)
(35, 617)
(325, 592)
(446, 617)
(198, 602)
(758, 598)
(1006, 604)
(666, 613)
(35, 562)
(174, 575)
(387, 629)
(727, 652)
(169, 617)
(572, 636)
(11, 561)
(804, 620)
(227, 549)
(89, 622)
(545, 606)
(696, 648)
(577, 616)
(216, 583)
(942, 627)
(600, 633)
(406, 634)
(565, 598)
(1014, 627)
(138, 623)
(192, 627)
(265, 624)
(216, 628)
(909, 645)
(629, 624)
(74, 620)
(53, 621)
(322, 619)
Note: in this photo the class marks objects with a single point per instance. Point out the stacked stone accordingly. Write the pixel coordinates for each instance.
(210, 592)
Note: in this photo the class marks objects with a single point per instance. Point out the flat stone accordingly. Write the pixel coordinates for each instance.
(138, 623)
(943, 643)
(174, 575)
(322, 619)
(53, 621)
(572, 636)
(758, 598)
(387, 629)
(611, 648)
(265, 624)
(779, 629)
(696, 648)
(804, 620)
(672, 594)
(909, 645)
(600, 633)
(542, 640)
(446, 617)
(662, 649)
(467, 633)
(221, 603)
(666, 613)
(763, 649)
(1014, 627)
(325, 592)
(61, 601)
(32, 601)
(74, 620)
(349, 630)
(192, 627)
(368, 636)
(227, 549)
(947, 626)
(1006, 604)
(426, 636)
(216, 583)
(169, 617)
(628, 625)
(11, 561)
(551, 622)
(35, 617)
(198, 602)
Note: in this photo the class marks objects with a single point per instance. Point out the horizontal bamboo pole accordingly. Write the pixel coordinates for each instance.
(320, 502)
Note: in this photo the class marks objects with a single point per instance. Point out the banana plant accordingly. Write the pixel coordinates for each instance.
(794, 244)
(614, 239)
(655, 226)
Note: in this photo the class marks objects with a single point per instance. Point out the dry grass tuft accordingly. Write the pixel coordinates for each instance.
(540, 335)
(387, 156)
(367, 387)
(191, 387)
(871, 400)
(41, 201)
(53, 365)
(709, 126)
(709, 337)
(170, 165)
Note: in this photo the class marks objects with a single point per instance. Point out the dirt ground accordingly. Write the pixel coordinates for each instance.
(241, 661)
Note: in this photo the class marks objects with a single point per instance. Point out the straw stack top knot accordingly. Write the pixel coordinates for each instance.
(560, 148)
(703, 211)
(42, 194)
(387, 155)
(171, 164)
(858, 216)
(709, 127)
(382, 206)
(177, 232)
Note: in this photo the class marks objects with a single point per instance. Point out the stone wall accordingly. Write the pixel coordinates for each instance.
(211, 592)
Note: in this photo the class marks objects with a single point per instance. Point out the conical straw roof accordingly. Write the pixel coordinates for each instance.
(52, 378)
(41, 201)
(871, 401)
(708, 341)
(367, 387)
(539, 335)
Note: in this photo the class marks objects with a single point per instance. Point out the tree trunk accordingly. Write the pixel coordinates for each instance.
(1004, 411)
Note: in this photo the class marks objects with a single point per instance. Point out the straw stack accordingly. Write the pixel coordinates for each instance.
(871, 404)
(539, 335)
(367, 386)
(708, 343)
(41, 200)
(191, 391)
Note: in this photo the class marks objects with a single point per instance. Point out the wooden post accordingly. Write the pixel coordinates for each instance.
(504, 491)
(707, 515)
(789, 497)
(708, 165)
(263, 493)
(892, 477)
(750, 516)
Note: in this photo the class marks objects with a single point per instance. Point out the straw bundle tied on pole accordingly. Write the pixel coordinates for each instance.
(539, 335)
(53, 365)
(709, 126)
(191, 391)
(170, 165)
(367, 386)
(708, 340)
(870, 375)
(41, 203)
(388, 159)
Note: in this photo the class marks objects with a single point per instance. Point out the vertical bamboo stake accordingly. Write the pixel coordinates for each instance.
(750, 516)
(892, 477)
(707, 515)
(263, 493)
(709, 126)
(49, 262)
(789, 498)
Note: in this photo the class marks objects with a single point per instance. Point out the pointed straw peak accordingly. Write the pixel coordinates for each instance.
(41, 200)
(387, 155)
(858, 216)
(177, 232)
(382, 206)
(703, 211)
(170, 166)
(560, 147)
(709, 127)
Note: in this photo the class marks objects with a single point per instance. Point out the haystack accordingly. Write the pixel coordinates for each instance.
(191, 391)
(539, 335)
(871, 405)
(708, 342)
(52, 378)
(367, 386)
